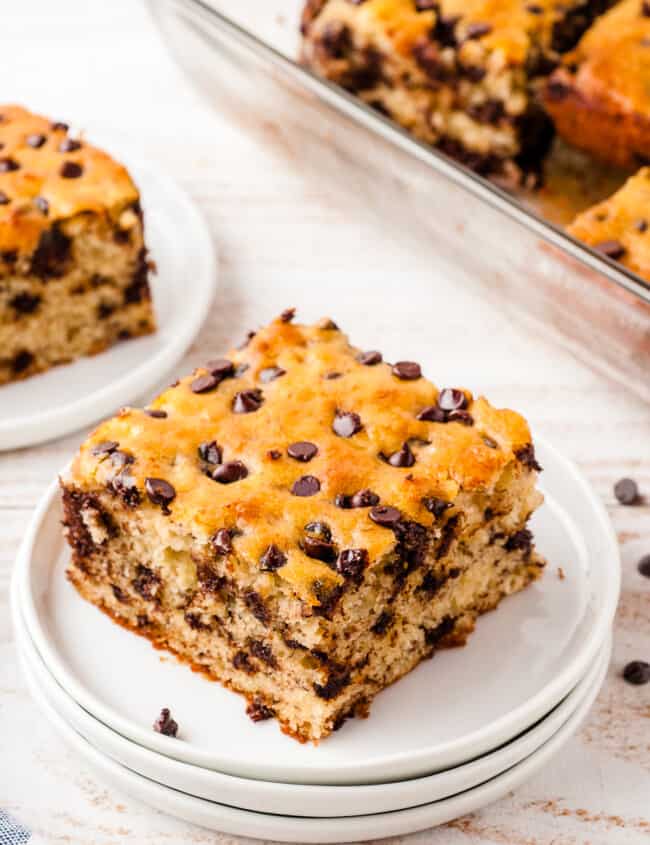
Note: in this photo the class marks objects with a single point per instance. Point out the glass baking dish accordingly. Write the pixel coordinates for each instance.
(242, 59)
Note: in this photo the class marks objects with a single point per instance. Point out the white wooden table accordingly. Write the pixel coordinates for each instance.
(101, 65)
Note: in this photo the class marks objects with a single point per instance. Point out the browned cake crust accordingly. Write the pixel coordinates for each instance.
(460, 74)
(73, 268)
(600, 98)
(303, 522)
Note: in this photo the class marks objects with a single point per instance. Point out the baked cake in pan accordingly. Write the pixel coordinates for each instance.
(600, 98)
(73, 267)
(460, 74)
(304, 522)
(619, 227)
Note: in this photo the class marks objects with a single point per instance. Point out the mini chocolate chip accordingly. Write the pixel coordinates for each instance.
(229, 472)
(69, 145)
(270, 374)
(221, 368)
(58, 125)
(302, 451)
(106, 447)
(4, 199)
(42, 205)
(407, 370)
(351, 563)
(346, 424)
(156, 413)
(611, 248)
(452, 399)
(644, 566)
(71, 170)
(308, 485)
(22, 360)
(363, 499)
(287, 315)
(247, 401)
(202, 384)
(477, 30)
(332, 375)
(35, 141)
(274, 454)
(382, 623)
(25, 303)
(435, 505)
(402, 458)
(626, 491)
(164, 724)
(319, 529)
(641, 225)
(222, 541)
(8, 164)
(317, 548)
(159, 491)
(272, 559)
(123, 484)
(211, 452)
(385, 515)
(637, 672)
(369, 359)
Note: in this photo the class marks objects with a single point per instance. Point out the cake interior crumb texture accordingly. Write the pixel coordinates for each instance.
(73, 263)
(304, 522)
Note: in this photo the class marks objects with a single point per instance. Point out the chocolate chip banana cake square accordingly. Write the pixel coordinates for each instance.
(73, 264)
(459, 74)
(303, 521)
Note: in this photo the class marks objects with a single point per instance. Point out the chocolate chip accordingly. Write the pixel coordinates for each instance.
(35, 141)
(432, 413)
(274, 454)
(69, 145)
(490, 442)
(106, 447)
(644, 566)
(332, 375)
(121, 459)
(335, 39)
(270, 374)
(164, 724)
(318, 548)
(255, 603)
(287, 315)
(272, 559)
(477, 30)
(626, 491)
(257, 711)
(637, 672)
(221, 368)
(222, 541)
(42, 205)
(463, 417)
(4, 199)
(229, 472)
(526, 455)
(8, 164)
(58, 125)
(432, 636)
(308, 485)
(369, 359)
(351, 563)
(611, 248)
(436, 506)
(202, 384)
(302, 451)
(71, 170)
(156, 413)
(407, 370)
(520, 541)
(404, 457)
(327, 325)
(382, 624)
(159, 491)
(363, 499)
(21, 361)
(385, 516)
(25, 303)
(123, 485)
(211, 452)
(645, 9)
(452, 399)
(319, 529)
(346, 424)
(247, 401)
(641, 225)
(425, 5)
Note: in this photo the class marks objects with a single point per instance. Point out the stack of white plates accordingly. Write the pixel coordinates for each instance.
(457, 733)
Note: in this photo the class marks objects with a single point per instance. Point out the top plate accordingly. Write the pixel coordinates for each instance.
(74, 395)
(518, 664)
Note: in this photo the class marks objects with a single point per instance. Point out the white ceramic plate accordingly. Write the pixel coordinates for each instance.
(294, 799)
(74, 395)
(520, 662)
(307, 830)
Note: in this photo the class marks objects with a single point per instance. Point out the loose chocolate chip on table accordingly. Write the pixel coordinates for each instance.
(308, 485)
(159, 491)
(71, 170)
(637, 672)
(369, 359)
(435, 505)
(363, 499)
(247, 401)
(626, 491)
(230, 472)
(346, 424)
(452, 399)
(164, 724)
(8, 164)
(302, 451)
(385, 515)
(407, 370)
(69, 145)
(351, 563)
(104, 448)
(156, 413)
(287, 315)
(42, 204)
(35, 141)
(221, 368)
(222, 541)
(270, 374)
(404, 457)
(272, 559)
(4, 199)
(644, 566)
(211, 452)
(611, 248)
(202, 384)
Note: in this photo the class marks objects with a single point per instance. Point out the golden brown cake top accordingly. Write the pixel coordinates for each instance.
(46, 175)
(620, 226)
(298, 427)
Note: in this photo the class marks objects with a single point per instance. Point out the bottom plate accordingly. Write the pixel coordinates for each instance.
(279, 798)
